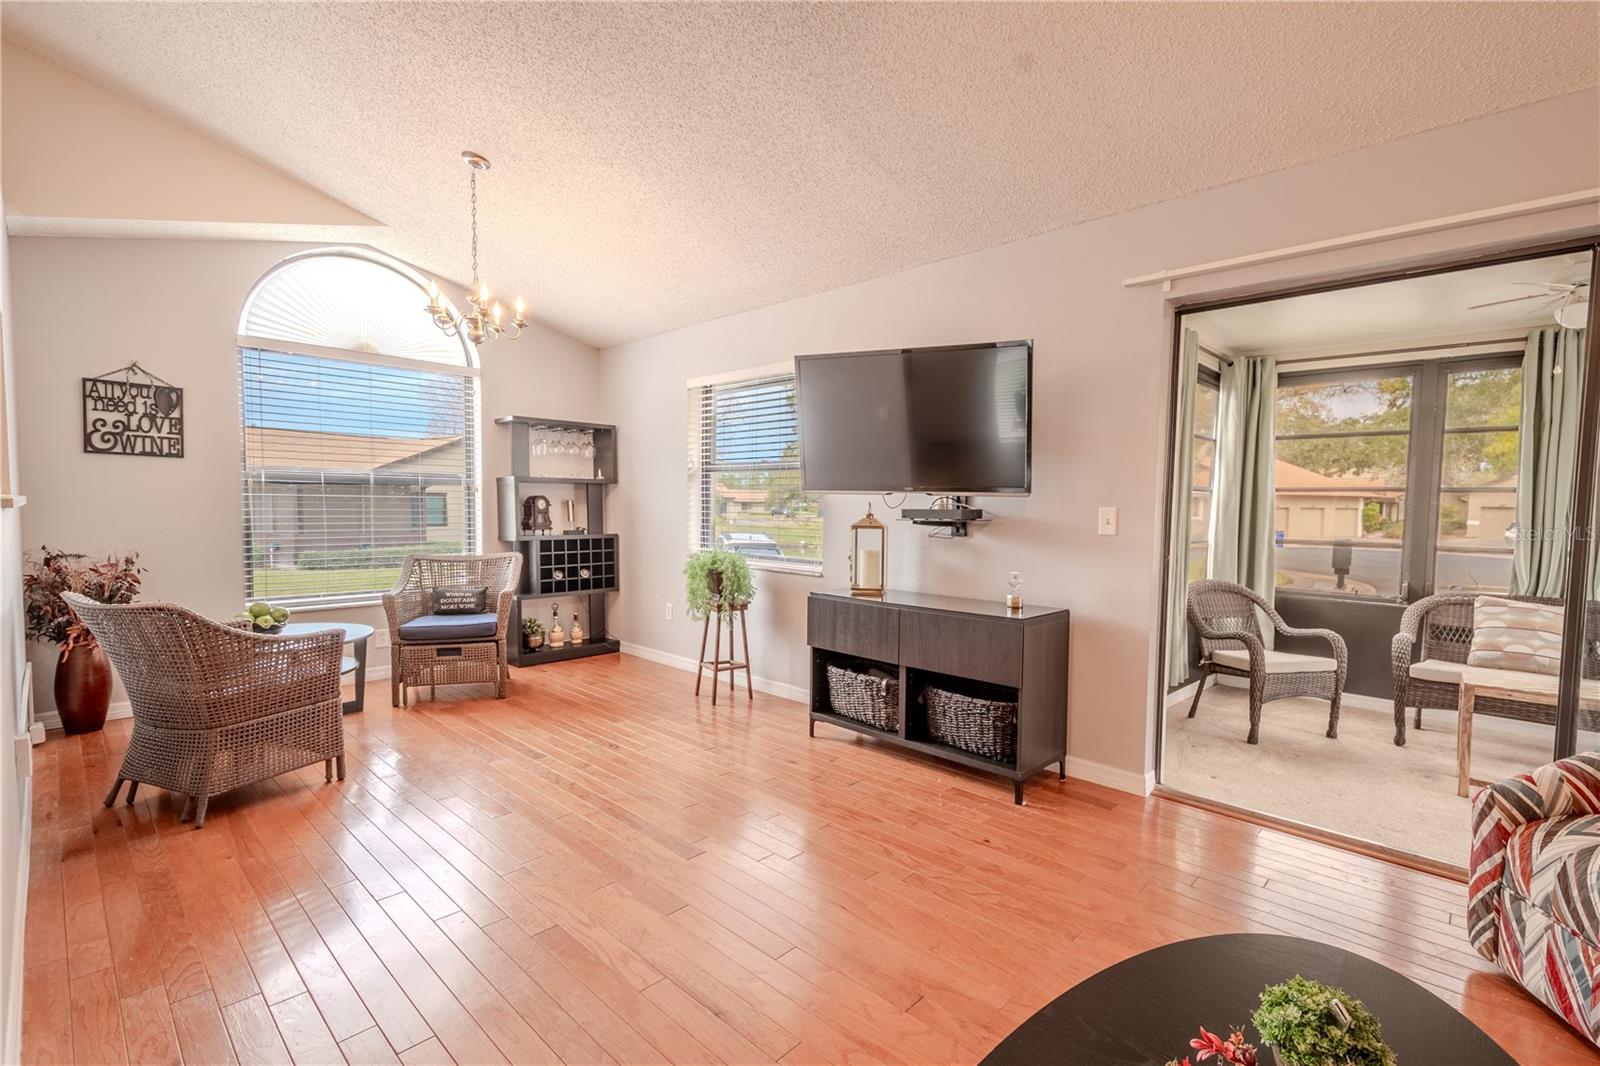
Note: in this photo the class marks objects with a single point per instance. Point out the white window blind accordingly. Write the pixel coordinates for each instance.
(744, 473)
(348, 467)
(349, 301)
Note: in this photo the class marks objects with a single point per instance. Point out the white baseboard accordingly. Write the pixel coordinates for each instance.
(123, 709)
(1098, 773)
(1093, 772)
(51, 720)
(1186, 693)
(682, 662)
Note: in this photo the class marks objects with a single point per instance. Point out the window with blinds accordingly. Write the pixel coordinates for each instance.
(359, 429)
(744, 474)
(348, 468)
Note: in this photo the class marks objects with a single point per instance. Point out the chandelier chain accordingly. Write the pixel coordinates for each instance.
(486, 318)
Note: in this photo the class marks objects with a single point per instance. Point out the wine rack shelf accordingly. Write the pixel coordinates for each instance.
(573, 564)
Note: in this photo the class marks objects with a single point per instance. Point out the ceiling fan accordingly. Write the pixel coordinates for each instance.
(1571, 301)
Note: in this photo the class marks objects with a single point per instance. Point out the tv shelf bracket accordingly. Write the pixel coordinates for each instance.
(954, 513)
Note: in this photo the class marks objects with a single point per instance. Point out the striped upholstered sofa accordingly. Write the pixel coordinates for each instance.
(1534, 893)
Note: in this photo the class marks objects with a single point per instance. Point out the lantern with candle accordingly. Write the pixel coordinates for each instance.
(867, 556)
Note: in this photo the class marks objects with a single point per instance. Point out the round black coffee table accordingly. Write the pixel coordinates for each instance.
(1144, 1010)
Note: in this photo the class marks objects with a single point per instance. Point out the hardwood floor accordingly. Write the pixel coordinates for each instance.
(604, 869)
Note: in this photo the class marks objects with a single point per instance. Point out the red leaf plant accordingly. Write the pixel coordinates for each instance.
(115, 579)
(1233, 1051)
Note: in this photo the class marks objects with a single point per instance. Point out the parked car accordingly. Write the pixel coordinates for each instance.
(754, 545)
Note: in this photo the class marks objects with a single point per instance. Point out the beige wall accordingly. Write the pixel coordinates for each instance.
(89, 306)
(1102, 367)
(64, 135)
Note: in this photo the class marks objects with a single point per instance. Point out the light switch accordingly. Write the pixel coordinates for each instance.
(1108, 521)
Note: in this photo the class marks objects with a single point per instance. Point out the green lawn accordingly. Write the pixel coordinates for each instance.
(274, 583)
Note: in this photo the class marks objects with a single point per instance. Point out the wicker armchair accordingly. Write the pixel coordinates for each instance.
(214, 707)
(450, 655)
(1435, 636)
(1223, 615)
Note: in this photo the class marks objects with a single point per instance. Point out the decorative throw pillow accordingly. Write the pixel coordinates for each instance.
(1514, 635)
(459, 600)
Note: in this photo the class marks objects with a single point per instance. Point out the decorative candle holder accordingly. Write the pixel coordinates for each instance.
(867, 554)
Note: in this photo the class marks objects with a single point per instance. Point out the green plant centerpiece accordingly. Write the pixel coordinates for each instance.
(532, 633)
(1308, 1023)
(264, 618)
(717, 575)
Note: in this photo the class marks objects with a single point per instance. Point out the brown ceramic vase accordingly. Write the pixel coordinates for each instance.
(83, 688)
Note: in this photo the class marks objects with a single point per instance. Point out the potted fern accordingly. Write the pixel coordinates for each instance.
(717, 576)
(1308, 1023)
(532, 633)
(1303, 1023)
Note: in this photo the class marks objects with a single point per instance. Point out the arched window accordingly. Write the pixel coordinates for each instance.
(359, 424)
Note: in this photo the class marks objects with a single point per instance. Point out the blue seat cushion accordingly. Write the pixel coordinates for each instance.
(449, 628)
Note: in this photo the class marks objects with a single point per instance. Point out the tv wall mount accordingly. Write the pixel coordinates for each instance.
(949, 516)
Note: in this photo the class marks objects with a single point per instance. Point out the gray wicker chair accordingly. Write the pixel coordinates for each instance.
(215, 708)
(449, 660)
(1223, 616)
(1435, 633)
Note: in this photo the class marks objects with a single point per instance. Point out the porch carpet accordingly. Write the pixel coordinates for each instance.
(1360, 785)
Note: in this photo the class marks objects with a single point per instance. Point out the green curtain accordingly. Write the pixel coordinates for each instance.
(1242, 543)
(1178, 661)
(1552, 386)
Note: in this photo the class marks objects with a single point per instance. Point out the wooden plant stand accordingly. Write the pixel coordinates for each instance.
(717, 663)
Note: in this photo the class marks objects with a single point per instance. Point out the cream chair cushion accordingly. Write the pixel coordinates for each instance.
(1440, 670)
(1450, 674)
(1278, 662)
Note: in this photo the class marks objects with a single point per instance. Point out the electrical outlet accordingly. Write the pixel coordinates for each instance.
(669, 610)
(1108, 521)
(380, 638)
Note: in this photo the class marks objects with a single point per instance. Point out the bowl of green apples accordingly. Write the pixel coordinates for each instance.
(264, 618)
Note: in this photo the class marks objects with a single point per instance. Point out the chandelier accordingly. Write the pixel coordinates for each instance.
(487, 318)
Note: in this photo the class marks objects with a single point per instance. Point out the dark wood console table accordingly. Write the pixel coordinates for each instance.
(948, 640)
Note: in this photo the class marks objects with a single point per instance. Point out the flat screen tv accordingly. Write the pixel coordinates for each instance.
(954, 420)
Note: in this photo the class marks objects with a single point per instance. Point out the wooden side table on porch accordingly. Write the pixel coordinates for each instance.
(1505, 685)
(717, 663)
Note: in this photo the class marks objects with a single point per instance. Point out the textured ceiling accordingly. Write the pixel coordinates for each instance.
(1397, 313)
(661, 164)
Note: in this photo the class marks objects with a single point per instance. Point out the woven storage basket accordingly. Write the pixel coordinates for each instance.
(873, 700)
(971, 723)
(449, 664)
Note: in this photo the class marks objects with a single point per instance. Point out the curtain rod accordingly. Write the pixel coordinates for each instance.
(1409, 229)
(1405, 351)
(1368, 355)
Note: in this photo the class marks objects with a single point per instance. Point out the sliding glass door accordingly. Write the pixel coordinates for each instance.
(1430, 440)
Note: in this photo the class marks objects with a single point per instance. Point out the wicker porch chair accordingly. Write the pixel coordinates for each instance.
(466, 653)
(214, 707)
(1223, 615)
(1435, 636)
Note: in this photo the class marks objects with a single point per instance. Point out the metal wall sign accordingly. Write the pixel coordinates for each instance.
(132, 412)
